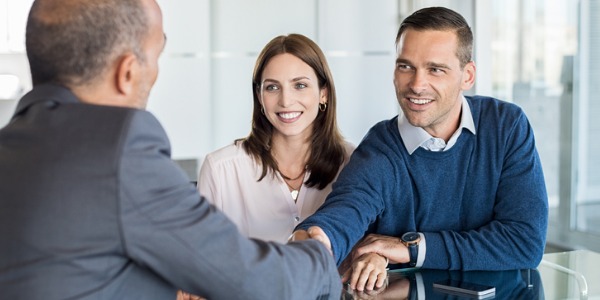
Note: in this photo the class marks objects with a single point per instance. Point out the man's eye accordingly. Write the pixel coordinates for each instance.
(437, 71)
(403, 67)
(300, 85)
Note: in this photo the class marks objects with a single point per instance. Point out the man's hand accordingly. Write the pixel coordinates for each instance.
(397, 289)
(299, 235)
(313, 232)
(369, 271)
(181, 295)
(387, 246)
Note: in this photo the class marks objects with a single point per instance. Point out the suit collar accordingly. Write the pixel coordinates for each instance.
(51, 94)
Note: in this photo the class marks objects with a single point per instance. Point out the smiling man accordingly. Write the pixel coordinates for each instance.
(453, 182)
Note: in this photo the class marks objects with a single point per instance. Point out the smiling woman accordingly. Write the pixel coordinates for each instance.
(290, 96)
(281, 173)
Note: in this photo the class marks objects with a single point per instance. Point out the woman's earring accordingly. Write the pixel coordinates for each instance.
(322, 106)
(262, 110)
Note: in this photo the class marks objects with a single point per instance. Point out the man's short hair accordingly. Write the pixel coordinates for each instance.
(72, 42)
(441, 18)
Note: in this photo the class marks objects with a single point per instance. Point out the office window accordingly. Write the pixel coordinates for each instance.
(533, 46)
(544, 55)
(587, 206)
(545, 58)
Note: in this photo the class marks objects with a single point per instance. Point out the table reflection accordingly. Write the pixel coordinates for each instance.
(418, 284)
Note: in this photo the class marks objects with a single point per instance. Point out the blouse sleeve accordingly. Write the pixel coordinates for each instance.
(207, 185)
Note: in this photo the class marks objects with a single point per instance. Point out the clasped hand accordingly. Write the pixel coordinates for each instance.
(366, 269)
(366, 266)
(387, 246)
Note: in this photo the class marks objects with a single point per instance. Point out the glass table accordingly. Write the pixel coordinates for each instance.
(567, 275)
(571, 275)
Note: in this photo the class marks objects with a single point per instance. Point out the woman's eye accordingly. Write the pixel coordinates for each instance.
(300, 85)
(271, 87)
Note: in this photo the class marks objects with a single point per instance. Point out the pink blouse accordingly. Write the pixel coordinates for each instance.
(261, 209)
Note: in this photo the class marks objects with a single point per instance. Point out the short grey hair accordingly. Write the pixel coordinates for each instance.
(72, 42)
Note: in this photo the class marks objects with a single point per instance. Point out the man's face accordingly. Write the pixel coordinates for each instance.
(429, 80)
(151, 48)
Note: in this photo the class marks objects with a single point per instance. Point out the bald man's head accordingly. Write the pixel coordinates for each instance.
(72, 42)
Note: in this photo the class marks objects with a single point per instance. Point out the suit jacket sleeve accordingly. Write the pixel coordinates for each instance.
(168, 228)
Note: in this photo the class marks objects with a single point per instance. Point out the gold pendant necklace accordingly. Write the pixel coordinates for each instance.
(294, 194)
(293, 191)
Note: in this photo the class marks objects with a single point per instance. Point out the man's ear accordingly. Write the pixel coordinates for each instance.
(468, 79)
(127, 71)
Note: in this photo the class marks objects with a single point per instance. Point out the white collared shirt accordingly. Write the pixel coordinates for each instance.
(415, 137)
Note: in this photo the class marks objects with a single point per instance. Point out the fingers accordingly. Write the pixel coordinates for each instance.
(367, 272)
(181, 295)
(373, 243)
(387, 246)
(318, 234)
(298, 235)
(381, 279)
(363, 279)
(313, 232)
(346, 275)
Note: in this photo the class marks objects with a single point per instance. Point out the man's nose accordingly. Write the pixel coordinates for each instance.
(418, 82)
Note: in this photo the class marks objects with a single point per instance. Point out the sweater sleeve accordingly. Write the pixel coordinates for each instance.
(515, 237)
(356, 200)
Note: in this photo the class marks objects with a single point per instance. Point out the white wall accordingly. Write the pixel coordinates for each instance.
(203, 94)
(180, 98)
(13, 60)
(13, 64)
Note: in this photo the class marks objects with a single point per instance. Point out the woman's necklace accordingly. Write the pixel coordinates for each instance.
(293, 190)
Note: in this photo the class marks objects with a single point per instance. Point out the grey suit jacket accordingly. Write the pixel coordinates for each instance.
(92, 207)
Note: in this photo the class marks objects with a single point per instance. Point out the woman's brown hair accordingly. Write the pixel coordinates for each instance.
(327, 150)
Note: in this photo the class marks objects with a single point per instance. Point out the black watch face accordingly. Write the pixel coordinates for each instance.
(410, 236)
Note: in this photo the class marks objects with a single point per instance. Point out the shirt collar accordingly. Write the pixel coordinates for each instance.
(413, 136)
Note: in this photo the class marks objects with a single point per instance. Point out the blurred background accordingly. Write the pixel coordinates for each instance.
(543, 55)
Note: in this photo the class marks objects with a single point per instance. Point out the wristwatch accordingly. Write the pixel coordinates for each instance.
(411, 241)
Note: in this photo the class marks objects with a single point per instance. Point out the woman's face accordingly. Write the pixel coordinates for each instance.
(290, 96)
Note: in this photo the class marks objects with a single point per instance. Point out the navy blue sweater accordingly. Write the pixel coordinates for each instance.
(482, 205)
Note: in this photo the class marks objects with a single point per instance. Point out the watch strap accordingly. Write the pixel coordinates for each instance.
(413, 252)
(411, 241)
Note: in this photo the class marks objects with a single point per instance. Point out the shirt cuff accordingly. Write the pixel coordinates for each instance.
(420, 286)
(422, 251)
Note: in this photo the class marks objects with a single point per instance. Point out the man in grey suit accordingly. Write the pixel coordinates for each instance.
(91, 205)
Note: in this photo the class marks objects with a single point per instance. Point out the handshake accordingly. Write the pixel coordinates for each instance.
(315, 233)
(365, 268)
